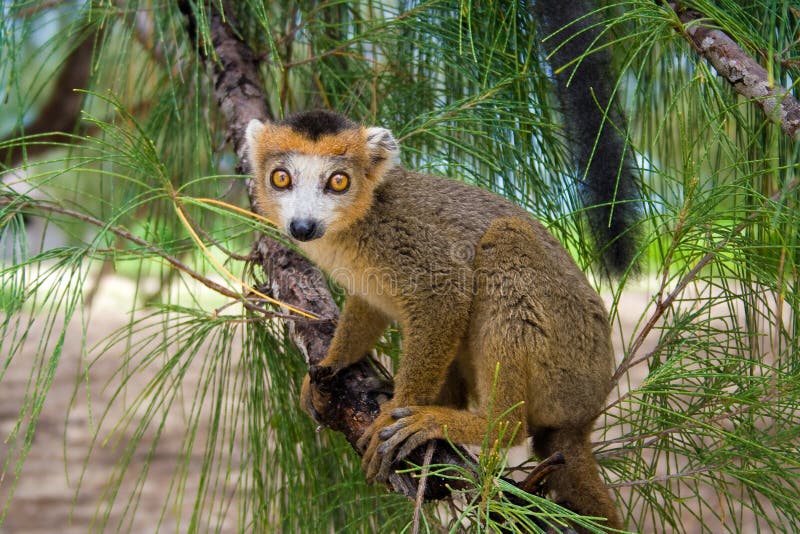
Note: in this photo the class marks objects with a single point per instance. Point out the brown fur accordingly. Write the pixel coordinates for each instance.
(473, 282)
(279, 138)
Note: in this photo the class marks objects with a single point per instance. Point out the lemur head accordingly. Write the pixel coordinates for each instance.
(315, 173)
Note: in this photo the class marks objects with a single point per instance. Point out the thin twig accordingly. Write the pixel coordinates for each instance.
(179, 211)
(172, 260)
(655, 436)
(664, 305)
(199, 229)
(664, 478)
(423, 481)
(175, 262)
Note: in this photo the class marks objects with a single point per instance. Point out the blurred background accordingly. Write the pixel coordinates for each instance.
(136, 395)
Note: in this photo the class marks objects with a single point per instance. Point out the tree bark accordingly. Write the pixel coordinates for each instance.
(745, 75)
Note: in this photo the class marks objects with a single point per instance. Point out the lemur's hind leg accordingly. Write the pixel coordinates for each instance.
(499, 415)
(552, 339)
(492, 360)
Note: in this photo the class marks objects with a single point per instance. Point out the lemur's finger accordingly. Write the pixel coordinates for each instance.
(390, 430)
(399, 413)
(412, 443)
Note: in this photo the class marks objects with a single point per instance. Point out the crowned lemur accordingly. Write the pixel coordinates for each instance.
(513, 326)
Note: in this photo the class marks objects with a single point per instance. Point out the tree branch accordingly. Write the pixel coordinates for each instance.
(353, 395)
(747, 77)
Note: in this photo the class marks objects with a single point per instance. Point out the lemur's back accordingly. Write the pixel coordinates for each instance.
(451, 217)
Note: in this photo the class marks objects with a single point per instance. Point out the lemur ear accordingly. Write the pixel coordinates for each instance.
(382, 149)
(254, 129)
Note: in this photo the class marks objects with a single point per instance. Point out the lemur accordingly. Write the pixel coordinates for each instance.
(516, 301)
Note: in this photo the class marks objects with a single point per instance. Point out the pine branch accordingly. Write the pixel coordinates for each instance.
(60, 114)
(663, 303)
(120, 232)
(746, 76)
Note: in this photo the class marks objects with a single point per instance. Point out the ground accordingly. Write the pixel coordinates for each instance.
(45, 499)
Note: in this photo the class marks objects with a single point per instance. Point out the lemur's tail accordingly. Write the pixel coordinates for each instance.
(610, 191)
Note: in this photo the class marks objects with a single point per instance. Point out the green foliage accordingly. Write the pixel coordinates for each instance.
(703, 424)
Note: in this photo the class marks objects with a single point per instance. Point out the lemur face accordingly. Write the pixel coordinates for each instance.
(315, 173)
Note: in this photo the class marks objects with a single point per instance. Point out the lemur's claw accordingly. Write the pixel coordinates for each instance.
(321, 373)
(392, 437)
(389, 431)
(319, 376)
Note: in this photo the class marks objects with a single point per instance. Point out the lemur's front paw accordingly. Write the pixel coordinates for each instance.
(318, 374)
(395, 433)
(306, 399)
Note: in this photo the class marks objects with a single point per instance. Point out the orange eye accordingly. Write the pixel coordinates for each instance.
(339, 182)
(280, 179)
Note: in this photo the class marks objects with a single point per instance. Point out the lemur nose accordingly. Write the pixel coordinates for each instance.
(304, 229)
